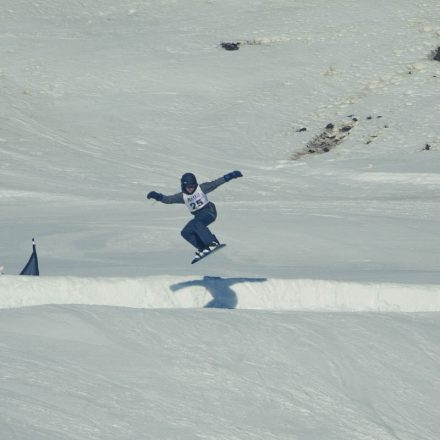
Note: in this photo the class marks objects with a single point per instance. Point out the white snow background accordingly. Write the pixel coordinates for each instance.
(319, 320)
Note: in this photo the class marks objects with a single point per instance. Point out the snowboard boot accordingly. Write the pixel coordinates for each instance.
(198, 254)
(211, 246)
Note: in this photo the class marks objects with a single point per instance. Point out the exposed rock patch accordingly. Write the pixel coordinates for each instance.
(230, 45)
(431, 146)
(235, 45)
(332, 135)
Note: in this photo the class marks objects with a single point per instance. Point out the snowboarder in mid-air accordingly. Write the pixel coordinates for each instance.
(194, 197)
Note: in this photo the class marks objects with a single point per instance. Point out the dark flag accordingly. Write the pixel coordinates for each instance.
(31, 267)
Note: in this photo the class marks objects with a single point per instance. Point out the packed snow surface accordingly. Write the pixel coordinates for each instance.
(76, 372)
(320, 319)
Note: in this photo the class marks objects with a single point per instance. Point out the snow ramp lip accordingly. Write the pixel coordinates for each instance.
(216, 292)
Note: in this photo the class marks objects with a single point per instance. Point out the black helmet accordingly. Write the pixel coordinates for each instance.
(188, 179)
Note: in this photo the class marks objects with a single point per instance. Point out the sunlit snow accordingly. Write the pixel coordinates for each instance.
(320, 319)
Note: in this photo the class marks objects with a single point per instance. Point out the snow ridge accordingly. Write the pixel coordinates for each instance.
(217, 292)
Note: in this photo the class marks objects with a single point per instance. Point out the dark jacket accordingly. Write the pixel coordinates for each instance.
(206, 187)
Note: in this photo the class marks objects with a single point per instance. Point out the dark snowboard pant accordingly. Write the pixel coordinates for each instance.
(196, 230)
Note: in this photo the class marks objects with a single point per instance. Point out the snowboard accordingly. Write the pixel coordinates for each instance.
(196, 260)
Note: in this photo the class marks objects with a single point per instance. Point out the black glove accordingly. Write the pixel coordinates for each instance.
(232, 175)
(155, 195)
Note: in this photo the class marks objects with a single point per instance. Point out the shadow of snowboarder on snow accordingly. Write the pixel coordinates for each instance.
(223, 297)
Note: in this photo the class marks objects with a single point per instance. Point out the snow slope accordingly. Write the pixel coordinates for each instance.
(105, 100)
(75, 372)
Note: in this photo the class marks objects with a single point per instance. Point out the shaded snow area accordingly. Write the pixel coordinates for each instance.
(320, 319)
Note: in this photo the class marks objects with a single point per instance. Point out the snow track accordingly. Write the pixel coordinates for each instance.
(217, 292)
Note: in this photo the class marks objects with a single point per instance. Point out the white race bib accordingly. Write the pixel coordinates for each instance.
(195, 201)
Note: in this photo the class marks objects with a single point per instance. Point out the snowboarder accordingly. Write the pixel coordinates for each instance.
(193, 195)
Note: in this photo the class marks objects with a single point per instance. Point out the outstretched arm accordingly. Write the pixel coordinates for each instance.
(211, 186)
(175, 198)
